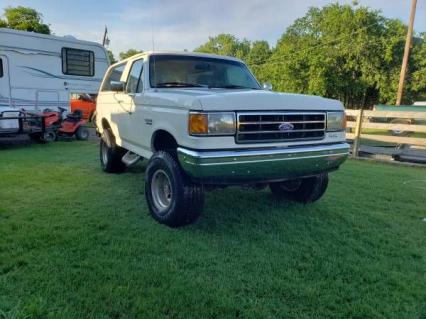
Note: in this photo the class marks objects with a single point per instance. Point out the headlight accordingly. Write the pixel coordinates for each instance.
(211, 123)
(336, 121)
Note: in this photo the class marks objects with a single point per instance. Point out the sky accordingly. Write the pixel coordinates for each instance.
(186, 24)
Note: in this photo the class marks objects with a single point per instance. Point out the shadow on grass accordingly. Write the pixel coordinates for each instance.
(14, 142)
(238, 210)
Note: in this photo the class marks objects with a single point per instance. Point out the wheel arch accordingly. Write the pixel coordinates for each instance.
(163, 140)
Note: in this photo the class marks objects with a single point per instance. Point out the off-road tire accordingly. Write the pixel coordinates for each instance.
(110, 154)
(309, 190)
(82, 133)
(186, 199)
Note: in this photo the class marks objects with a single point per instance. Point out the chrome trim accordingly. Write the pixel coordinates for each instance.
(278, 122)
(289, 137)
(295, 131)
(239, 166)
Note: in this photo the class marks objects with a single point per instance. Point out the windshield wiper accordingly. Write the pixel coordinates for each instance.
(179, 84)
(232, 86)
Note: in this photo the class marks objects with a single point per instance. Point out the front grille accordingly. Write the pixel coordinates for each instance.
(280, 127)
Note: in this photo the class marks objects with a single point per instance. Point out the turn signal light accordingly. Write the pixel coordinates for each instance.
(198, 123)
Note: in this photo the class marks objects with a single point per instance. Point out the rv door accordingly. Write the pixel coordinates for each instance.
(4, 82)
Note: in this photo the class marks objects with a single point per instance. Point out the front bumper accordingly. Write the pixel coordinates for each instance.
(261, 165)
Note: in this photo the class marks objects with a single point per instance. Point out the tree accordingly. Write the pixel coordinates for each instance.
(24, 18)
(417, 80)
(226, 44)
(111, 57)
(128, 53)
(260, 52)
(345, 52)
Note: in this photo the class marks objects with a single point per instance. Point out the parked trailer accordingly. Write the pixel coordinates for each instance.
(39, 71)
(14, 123)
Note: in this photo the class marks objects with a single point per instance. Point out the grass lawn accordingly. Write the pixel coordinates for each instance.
(78, 243)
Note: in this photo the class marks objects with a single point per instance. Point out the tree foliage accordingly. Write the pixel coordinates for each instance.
(111, 57)
(348, 52)
(226, 44)
(128, 53)
(24, 18)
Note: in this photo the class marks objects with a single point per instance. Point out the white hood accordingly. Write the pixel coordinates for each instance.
(241, 100)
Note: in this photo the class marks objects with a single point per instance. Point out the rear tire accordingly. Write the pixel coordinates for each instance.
(110, 154)
(304, 190)
(172, 198)
(82, 133)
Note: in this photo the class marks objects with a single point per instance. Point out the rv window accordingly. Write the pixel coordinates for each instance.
(78, 62)
(1, 68)
(114, 75)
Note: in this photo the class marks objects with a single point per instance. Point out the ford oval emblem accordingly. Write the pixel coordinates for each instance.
(286, 127)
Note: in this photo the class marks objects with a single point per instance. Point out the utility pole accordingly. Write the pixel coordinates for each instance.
(406, 52)
(104, 39)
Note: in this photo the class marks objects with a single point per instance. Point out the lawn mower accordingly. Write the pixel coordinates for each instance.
(58, 126)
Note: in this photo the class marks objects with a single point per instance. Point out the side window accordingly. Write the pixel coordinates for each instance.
(1, 67)
(78, 62)
(114, 75)
(134, 82)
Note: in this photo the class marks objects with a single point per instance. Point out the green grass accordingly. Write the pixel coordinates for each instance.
(79, 243)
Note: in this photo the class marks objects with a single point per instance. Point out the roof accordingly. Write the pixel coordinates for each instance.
(183, 53)
(67, 38)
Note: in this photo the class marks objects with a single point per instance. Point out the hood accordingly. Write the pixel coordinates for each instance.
(243, 100)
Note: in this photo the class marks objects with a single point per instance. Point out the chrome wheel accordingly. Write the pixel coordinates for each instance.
(104, 152)
(161, 190)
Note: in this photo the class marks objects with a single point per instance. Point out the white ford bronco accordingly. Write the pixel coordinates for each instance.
(203, 121)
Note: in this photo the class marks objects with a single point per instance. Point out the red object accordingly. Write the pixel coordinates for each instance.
(86, 104)
(72, 124)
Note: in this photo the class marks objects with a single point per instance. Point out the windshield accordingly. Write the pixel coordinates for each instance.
(191, 71)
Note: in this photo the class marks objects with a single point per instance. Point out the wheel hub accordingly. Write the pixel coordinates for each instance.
(104, 153)
(161, 190)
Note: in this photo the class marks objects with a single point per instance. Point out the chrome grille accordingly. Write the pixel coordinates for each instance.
(265, 127)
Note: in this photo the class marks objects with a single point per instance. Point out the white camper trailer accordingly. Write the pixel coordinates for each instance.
(39, 71)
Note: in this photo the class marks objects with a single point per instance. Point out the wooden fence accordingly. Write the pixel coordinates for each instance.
(360, 119)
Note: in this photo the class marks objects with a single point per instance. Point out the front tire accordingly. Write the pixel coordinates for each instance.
(303, 190)
(110, 154)
(172, 198)
(82, 133)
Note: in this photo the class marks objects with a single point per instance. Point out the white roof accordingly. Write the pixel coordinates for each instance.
(183, 53)
(66, 38)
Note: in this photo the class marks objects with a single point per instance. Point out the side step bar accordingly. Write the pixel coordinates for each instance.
(130, 159)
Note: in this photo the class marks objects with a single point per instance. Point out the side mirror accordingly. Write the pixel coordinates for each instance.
(267, 86)
(117, 86)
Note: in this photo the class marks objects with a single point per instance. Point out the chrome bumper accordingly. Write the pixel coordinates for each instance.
(261, 165)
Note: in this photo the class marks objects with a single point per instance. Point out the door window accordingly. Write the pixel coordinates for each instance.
(134, 82)
(113, 76)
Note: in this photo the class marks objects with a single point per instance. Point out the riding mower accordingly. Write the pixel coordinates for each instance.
(56, 126)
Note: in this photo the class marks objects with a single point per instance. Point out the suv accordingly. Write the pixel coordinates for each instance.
(203, 121)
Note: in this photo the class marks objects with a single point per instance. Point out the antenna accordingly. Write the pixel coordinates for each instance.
(152, 33)
(153, 50)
